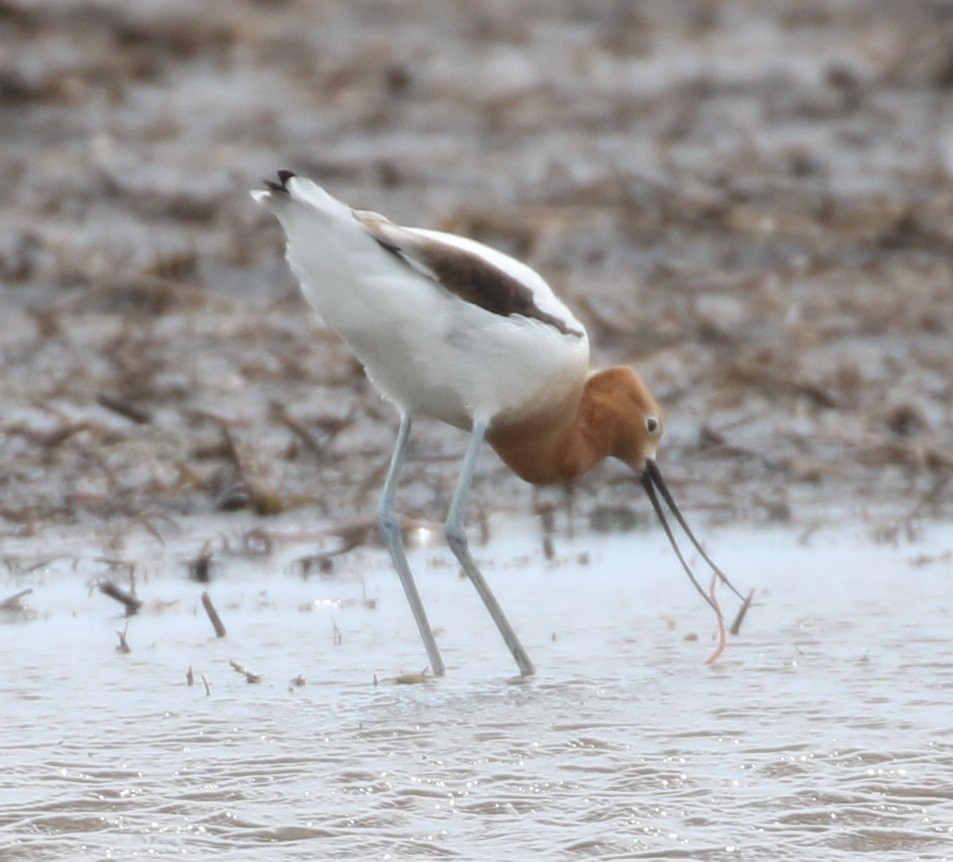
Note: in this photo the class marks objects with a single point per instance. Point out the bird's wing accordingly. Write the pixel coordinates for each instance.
(464, 272)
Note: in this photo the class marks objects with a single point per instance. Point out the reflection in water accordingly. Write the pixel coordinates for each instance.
(823, 733)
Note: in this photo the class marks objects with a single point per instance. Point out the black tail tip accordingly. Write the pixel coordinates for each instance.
(282, 185)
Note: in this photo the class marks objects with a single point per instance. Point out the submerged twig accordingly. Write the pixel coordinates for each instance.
(13, 603)
(250, 675)
(199, 568)
(124, 408)
(127, 599)
(123, 645)
(414, 678)
(351, 534)
(213, 616)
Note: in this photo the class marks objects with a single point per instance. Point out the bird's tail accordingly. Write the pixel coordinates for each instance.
(292, 189)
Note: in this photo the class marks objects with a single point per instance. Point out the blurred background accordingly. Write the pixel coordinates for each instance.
(749, 201)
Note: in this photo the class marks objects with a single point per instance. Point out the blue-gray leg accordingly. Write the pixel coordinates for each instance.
(457, 538)
(389, 523)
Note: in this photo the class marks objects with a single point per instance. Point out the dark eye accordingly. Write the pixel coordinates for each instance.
(652, 424)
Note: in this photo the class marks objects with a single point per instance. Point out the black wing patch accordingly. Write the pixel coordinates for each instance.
(463, 274)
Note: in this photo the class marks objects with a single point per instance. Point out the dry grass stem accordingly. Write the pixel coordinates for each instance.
(213, 616)
(250, 675)
(127, 599)
(123, 646)
(13, 603)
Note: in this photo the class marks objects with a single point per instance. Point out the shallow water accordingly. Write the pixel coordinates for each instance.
(823, 733)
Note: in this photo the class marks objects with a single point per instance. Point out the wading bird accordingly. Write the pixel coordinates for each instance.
(449, 328)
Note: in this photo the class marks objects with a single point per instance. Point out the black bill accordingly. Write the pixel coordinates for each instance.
(654, 486)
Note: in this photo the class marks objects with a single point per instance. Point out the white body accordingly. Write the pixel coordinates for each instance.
(426, 349)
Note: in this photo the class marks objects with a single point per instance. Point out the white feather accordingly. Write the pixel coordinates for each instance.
(426, 349)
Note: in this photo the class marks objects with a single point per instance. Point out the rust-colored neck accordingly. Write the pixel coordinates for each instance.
(562, 445)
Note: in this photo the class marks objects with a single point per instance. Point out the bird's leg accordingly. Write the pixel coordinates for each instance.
(389, 523)
(457, 538)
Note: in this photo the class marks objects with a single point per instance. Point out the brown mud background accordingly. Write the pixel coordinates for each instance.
(748, 201)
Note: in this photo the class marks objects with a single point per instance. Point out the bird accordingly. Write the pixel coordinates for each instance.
(452, 329)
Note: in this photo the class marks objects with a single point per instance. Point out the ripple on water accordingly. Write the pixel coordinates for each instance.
(814, 738)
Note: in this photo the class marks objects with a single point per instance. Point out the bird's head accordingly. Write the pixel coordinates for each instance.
(625, 408)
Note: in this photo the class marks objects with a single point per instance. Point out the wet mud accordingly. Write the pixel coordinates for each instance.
(750, 203)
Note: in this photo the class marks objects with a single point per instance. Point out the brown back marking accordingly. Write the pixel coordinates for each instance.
(462, 273)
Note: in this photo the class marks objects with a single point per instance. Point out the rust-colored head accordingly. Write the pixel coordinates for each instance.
(622, 408)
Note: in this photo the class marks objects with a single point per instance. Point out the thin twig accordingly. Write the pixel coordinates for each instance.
(124, 408)
(12, 603)
(127, 599)
(200, 566)
(123, 646)
(213, 616)
(250, 675)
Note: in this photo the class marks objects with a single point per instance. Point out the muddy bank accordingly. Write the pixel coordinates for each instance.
(749, 202)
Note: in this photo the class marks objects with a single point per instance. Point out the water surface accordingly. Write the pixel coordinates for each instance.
(823, 733)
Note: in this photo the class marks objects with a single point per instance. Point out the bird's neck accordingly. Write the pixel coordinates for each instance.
(559, 446)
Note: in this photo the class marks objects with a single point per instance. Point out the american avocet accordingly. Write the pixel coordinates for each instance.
(449, 328)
